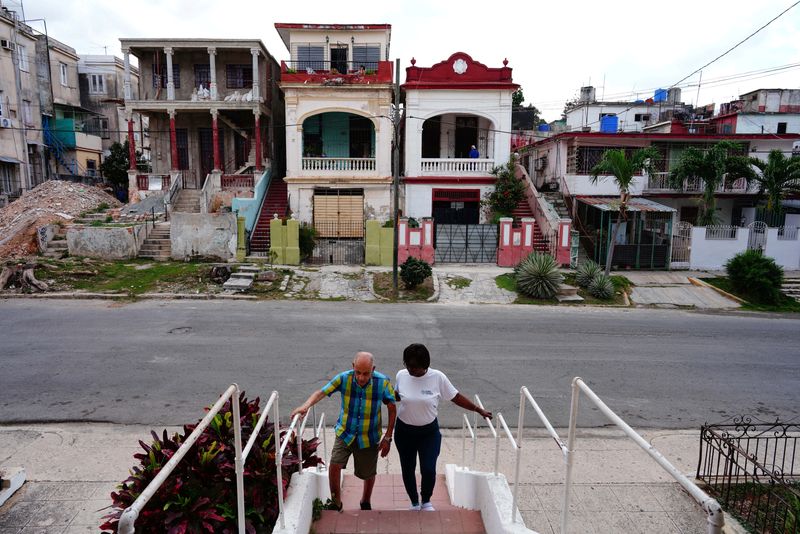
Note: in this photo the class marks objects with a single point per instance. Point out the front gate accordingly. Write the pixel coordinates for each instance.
(758, 236)
(681, 245)
(338, 242)
(466, 243)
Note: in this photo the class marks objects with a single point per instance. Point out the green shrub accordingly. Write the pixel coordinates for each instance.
(601, 286)
(389, 224)
(586, 272)
(537, 276)
(755, 276)
(307, 241)
(103, 206)
(414, 271)
(508, 190)
(200, 494)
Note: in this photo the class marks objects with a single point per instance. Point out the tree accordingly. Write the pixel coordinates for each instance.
(517, 98)
(616, 163)
(115, 167)
(777, 177)
(713, 166)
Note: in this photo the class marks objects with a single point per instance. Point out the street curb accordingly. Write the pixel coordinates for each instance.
(435, 296)
(371, 288)
(699, 283)
(116, 296)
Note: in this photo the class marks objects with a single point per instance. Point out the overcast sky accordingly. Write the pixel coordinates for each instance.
(624, 48)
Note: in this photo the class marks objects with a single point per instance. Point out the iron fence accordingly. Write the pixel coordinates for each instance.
(753, 467)
(338, 242)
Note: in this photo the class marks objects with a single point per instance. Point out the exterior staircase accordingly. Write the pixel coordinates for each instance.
(390, 513)
(523, 210)
(158, 245)
(555, 199)
(57, 247)
(188, 201)
(791, 287)
(275, 201)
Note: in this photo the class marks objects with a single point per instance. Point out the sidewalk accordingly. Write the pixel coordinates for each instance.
(72, 468)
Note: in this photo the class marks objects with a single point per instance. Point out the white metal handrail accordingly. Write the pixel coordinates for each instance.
(464, 427)
(128, 517)
(272, 402)
(715, 518)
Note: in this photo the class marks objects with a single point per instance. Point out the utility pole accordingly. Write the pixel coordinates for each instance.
(396, 173)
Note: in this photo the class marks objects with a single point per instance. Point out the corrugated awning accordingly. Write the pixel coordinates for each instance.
(6, 159)
(634, 204)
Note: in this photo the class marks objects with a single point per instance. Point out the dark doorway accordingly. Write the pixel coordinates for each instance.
(456, 206)
(182, 141)
(339, 59)
(206, 141)
(689, 214)
(242, 148)
(466, 135)
(431, 138)
(360, 137)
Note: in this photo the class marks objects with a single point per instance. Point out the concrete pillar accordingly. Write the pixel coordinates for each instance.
(256, 89)
(170, 82)
(277, 243)
(257, 139)
(563, 249)
(173, 142)
(505, 249)
(527, 235)
(131, 145)
(372, 243)
(292, 254)
(241, 244)
(126, 53)
(428, 253)
(402, 240)
(215, 138)
(212, 66)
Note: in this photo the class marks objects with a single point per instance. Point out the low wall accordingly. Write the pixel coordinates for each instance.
(379, 244)
(106, 242)
(415, 242)
(714, 253)
(203, 234)
(515, 243)
(785, 252)
(248, 207)
(284, 241)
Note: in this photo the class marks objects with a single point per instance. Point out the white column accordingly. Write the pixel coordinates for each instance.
(256, 91)
(212, 65)
(170, 82)
(127, 55)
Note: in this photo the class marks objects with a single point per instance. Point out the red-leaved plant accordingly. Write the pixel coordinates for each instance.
(200, 494)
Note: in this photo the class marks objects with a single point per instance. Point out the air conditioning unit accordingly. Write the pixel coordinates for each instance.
(8, 45)
(6, 123)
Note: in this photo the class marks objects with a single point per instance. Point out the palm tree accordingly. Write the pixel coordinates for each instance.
(777, 177)
(615, 162)
(713, 166)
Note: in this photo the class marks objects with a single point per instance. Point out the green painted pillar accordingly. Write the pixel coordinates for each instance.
(292, 254)
(372, 246)
(387, 246)
(277, 242)
(241, 244)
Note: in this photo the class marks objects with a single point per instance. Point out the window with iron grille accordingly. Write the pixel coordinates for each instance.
(97, 84)
(160, 75)
(202, 76)
(310, 57)
(238, 76)
(367, 55)
(98, 126)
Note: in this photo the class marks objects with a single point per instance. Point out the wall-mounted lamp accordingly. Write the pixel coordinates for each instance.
(327, 39)
(352, 40)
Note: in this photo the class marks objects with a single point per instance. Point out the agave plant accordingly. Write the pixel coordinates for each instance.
(538, 277)
(586, 272)
(601, 286)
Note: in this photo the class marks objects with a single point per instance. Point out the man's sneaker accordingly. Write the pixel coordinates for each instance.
(330, 505)
(366, 506)
(427, 507)
(414, 508)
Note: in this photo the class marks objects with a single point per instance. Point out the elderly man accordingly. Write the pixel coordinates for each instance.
(358, 430)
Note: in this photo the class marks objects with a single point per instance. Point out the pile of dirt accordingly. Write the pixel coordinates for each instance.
(48, 203)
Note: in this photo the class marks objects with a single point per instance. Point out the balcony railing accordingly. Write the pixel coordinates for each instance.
(659, 181)
(336, 72)
(456, 166)
(338, 164)
(237, 181)
(152, 182)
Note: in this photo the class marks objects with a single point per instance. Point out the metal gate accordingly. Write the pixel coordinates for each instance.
(758, 236)
(681, 245)
(466, 243)
(338, 242)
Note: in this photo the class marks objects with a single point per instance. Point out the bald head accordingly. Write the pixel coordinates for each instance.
(363, 365)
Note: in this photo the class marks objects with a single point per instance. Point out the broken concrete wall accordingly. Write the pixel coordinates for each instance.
(203, 234)
(106, 242)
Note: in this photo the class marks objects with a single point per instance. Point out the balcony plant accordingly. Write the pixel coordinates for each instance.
(508, 192)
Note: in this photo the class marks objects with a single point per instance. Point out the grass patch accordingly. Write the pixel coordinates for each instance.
(784, 305)
(133, 277)
(271, 290)
(458, 282)
(382, 285)
(507, 282)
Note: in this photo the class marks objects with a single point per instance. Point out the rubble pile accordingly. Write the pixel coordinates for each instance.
(48, 203)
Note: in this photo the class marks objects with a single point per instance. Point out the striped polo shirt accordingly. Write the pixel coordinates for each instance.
(360, 415)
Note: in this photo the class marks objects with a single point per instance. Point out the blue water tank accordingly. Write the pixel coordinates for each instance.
(640, 101)
(660, 96)
(609, 123)
(544, 128)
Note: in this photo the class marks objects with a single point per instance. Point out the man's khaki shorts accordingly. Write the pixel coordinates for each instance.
(365, 460)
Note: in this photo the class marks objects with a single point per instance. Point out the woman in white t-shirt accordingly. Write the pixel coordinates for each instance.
(420, 388)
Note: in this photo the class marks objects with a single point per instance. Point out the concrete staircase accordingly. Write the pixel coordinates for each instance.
(791, 287)
(568, 293)
(57, 247)
(390, 513)
(188, 201)
(242, 279)
(158, 245)
(275, 201)
(555, 199)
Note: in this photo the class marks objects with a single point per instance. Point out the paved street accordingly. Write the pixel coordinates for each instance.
(160, 362)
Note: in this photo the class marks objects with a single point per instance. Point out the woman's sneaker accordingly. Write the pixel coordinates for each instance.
(414, 508)
(427, 507)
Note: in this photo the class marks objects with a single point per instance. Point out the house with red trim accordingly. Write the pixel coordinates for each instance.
(457, 129)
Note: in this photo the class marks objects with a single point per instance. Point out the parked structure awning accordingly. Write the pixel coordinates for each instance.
(634, 204)
(6, 159)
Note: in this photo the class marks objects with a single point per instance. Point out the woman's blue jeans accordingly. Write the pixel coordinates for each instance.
(423, 441)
